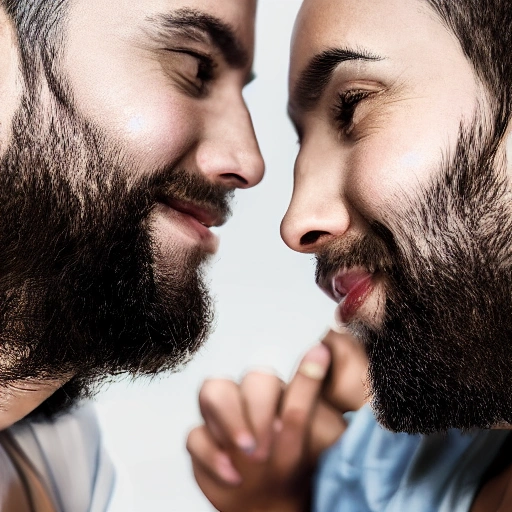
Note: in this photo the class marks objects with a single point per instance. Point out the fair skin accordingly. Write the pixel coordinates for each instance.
(142, 81)
(288, 439)
(143, 90)
(413, 89)
(396, 137)
(261, 439)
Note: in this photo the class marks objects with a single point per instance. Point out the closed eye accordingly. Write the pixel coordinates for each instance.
(345, 107)
(197, 68)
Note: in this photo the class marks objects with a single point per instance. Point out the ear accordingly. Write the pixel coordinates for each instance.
(10, 77)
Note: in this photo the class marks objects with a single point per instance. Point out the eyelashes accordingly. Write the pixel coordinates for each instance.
(341, 112)
(345, 108)
(195, 68)
(205, 68)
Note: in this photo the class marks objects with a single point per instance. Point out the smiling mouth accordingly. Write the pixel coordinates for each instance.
(349, 288)
(191, 219)
(207, 217)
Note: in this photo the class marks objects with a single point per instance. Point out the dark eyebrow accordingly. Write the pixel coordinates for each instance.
(202, 27)
(316, 76)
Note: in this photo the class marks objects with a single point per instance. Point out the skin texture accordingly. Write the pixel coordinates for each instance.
(260, 441)
(124, 83)
(361, 165)
(397, 186)
(150, 109)
(397, 138)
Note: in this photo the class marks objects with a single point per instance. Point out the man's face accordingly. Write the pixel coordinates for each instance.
(402, 195)
(164, 79)
(120, 156)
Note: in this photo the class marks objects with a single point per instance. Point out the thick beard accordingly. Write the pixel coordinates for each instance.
(443, 356)
(80, 293)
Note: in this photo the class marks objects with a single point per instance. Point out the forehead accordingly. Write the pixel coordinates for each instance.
(399, 29)
(119, 18)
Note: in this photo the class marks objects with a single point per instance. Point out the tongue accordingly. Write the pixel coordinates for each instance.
(354, 299)
(345, 283)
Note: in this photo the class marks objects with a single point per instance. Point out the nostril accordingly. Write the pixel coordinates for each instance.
(235, 179)
(311, 237)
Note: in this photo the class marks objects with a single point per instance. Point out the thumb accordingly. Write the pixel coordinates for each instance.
(326, 427)
(299, 403)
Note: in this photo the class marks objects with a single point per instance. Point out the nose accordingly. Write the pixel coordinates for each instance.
(317, 211)
(229, 153)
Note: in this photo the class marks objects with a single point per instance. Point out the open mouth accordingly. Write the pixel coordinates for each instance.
(349, 288)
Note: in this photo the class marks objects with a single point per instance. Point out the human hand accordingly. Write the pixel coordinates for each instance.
(346, 387)
(260, 441)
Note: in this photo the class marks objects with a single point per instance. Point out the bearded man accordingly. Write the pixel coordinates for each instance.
(402, 190)
(123, 135)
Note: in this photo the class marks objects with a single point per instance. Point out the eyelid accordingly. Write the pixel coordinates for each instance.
(203, 57)
(195, 79)
(347, 102)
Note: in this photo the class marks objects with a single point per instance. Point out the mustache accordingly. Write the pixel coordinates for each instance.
(191, 187)
(374, 252)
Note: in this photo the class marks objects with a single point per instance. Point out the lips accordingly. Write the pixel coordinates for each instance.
(207, 217)
(349, 288)
(189, 221)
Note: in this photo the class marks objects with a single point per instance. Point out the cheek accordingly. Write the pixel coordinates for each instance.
(405, 148)
(386, 168)
(157, 133)
(152, 120)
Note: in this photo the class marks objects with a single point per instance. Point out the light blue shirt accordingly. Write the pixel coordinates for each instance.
(373, 470)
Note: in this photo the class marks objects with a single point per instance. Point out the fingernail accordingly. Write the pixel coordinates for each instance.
(246, 443)
(315, 363)
(227, 471)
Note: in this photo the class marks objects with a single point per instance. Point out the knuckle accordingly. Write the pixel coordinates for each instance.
(192, 439)
(257, 376)
(214, 392)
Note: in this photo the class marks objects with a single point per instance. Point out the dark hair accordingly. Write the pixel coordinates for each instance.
(41, 39)
(484, 30)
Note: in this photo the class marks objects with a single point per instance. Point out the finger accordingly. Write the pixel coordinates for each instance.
(346, 386)
(209, 486)
(327, 426)
(212, 461)
(299, 402)
(261, 395)
(220, 402)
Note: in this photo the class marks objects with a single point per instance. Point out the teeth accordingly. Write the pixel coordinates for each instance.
(335, 292)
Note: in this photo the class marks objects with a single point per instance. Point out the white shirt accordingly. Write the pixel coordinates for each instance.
(70, 458)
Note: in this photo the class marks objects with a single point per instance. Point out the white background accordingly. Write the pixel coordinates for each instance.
(268, 307)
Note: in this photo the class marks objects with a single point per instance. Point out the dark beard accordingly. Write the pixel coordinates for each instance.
(443, 355)
(81, 294)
